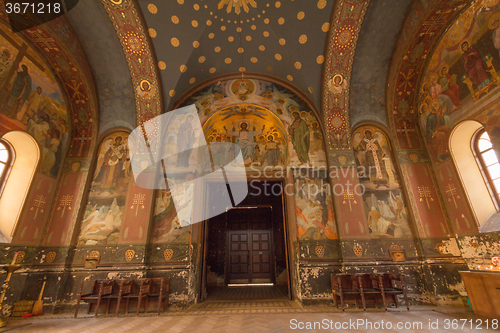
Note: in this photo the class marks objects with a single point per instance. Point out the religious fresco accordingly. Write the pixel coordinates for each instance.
(314, 205)
(105, 210)
(387, 215)
(31, 100)
(272, 126)
(462, 70)
(166, 226)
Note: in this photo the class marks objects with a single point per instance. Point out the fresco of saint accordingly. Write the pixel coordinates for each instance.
(475, 66)
(31, 101)
(299, 132)
(105, 210)
(384, 206)
(245, 139)
(314, 209)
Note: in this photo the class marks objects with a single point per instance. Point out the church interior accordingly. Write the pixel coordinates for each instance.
(368, 132)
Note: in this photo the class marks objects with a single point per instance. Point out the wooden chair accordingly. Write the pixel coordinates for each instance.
(99, 289)
(387, 283)
(368, 288)
(159, 289)
(124, 287)
(344, 286)
(140, 290)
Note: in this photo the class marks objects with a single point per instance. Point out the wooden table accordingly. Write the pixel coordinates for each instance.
(483, 289)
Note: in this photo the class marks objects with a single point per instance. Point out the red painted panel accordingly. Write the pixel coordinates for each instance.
(36, 208)
(433, 223)
(456, 203)
(65, 209)
(137, 214)
(350, 202)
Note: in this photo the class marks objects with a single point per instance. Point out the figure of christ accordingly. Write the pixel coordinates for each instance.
(474, 66)
(373, 159)
(245, 139)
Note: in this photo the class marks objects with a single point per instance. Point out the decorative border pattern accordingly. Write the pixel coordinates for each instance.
(345, 26)
(138, 50)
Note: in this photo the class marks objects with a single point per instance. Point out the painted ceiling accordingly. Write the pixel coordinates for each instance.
(103, 49)
(371, 61)
(195, 40)
(192, 41)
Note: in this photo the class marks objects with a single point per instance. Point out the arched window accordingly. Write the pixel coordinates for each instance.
(488, 162)
(467, 146)
(6, 160)
(23, 154)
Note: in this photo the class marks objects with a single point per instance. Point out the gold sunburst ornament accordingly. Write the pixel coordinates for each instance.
(237, 4)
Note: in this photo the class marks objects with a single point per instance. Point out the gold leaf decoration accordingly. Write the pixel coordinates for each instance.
(237, 4)
(320, 251)
(129, 255)
(20, 257)
(51, 256)
(358, 250)
(167, 254)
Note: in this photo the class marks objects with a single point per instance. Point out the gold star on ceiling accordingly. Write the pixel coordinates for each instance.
(237, 4)
(342, 38)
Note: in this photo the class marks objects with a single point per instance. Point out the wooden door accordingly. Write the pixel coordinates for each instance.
(261, 256)
(239, 257)
(250, 257)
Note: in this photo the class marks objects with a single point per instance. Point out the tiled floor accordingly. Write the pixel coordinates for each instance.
(246, 293)
(245, 298)
(275, 323)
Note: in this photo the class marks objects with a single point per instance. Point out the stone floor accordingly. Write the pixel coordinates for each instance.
(261, 320)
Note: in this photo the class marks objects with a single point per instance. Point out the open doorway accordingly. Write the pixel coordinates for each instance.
(246, 256)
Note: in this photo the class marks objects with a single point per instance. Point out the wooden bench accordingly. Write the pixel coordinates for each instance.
(124, 289)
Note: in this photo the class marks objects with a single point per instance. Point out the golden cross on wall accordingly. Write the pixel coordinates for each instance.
(349, 196)
(407, 77)
(138, 201)
(82, 140)
(66, 201)
(39, 202)
(406, 132)
(433, 24)
(451, 191)
(77, 95)
(425, 194)
(43, 40)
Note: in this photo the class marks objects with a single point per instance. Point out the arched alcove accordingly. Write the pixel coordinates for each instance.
(472, 180)
(27, 156)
